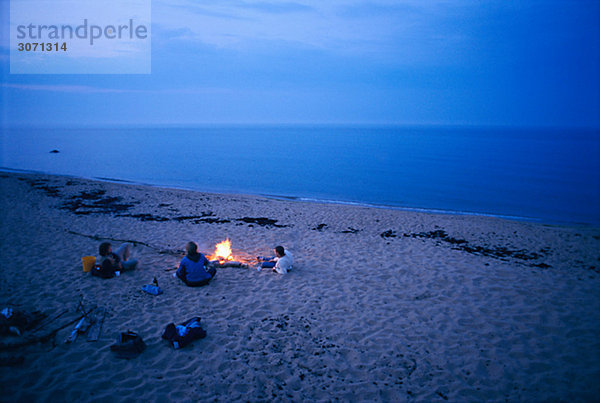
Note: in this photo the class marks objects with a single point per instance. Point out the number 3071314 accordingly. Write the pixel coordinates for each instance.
(42, 47)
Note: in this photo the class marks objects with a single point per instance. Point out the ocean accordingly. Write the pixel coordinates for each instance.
(545, 175)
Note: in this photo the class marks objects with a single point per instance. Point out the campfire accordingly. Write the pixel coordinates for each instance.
(223, 256)
(223, 251)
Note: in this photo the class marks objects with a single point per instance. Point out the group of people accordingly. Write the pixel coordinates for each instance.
(194, 269)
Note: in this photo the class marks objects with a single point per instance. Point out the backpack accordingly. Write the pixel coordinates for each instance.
(104, 270)
(182, 335)
(129, 345)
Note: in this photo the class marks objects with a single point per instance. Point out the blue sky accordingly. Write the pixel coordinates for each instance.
(453, 62)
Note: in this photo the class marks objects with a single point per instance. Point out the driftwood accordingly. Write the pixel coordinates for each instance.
(96, 328)
(81, 327)
(84, 324)
(18, 322)
(228, 263)
(37, 339)
(134, 242)
(47, 322)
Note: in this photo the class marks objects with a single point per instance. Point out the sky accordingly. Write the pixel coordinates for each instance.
(530, 63)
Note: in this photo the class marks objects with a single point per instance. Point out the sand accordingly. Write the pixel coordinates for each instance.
(382, 305)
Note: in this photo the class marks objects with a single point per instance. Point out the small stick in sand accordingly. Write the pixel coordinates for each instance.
(47, 322)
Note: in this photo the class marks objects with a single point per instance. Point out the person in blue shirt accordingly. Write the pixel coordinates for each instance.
(193, 269)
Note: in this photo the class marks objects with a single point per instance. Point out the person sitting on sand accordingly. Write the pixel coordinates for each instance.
(283, 260)
(112, 262)
(281, 263)
(193, 267)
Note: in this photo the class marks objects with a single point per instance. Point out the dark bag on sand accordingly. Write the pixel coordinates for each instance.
(129, 345)
(103, 271)
(182, 335)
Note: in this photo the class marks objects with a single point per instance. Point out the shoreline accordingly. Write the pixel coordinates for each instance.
(381, 305)
(301, 199)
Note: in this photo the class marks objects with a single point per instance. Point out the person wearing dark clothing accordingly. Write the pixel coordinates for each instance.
(113, 262)
(193, 267)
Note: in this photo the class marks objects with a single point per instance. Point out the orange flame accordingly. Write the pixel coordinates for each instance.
(223, 251)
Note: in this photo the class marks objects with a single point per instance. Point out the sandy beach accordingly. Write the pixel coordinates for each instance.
(381, 305)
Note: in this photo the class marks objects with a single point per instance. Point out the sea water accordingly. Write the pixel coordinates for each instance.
(548, 175)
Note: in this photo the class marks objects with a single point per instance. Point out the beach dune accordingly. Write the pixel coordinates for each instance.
(381, 305)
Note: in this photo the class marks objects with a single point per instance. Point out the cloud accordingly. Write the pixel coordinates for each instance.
(85, 89)
(246, 26)
(82, 89)
(233, 8)
(219, 10)
(276, 7)
(406, 31)
(376, 9)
